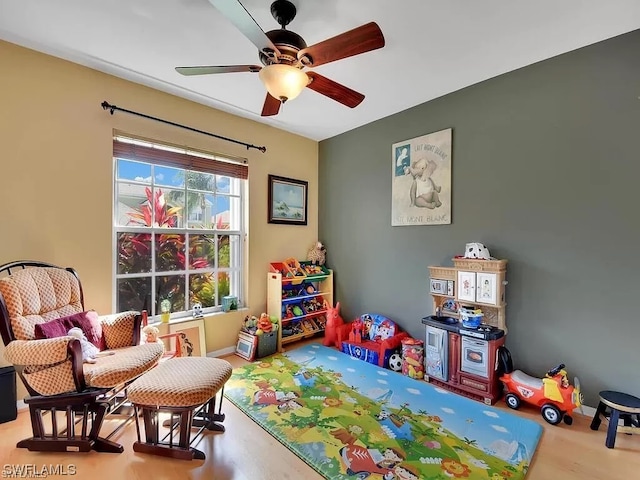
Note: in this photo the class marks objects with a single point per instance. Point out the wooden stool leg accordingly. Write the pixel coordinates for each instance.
(628, 421)
(595, 423)
(613, 428)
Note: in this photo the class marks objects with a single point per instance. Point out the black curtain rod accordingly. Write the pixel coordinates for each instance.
(112, 108)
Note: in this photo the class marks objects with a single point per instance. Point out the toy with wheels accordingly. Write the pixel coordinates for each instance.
(553, 394)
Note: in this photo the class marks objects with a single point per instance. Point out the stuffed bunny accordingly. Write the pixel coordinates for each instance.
(89, 350)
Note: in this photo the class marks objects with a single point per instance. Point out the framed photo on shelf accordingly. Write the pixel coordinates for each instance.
(287, 202)
(246, 346)
(193, 342)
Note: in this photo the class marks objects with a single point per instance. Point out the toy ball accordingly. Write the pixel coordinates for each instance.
(395, 362)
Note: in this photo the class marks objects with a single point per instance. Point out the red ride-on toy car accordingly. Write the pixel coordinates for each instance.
(552, 394)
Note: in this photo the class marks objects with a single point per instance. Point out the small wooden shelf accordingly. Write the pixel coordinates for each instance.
(277, 284)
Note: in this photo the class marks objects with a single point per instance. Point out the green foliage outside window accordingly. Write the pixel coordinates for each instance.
(134, 256)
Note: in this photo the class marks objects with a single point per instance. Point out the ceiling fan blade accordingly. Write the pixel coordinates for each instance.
(235, 12)
(334, 90)
(271, 106)
(354, 42)
(211, 69)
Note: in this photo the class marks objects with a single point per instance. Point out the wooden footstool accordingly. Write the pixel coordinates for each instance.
(622, 406)
(186, 388)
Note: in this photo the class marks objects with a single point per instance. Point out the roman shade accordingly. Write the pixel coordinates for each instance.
(170, 158)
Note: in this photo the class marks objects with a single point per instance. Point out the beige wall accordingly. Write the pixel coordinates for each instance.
(56, 168)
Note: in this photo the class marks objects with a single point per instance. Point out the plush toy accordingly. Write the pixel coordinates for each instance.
(197, 310)
(476, 250)
(151, 334)
(317, 254)
(89, 350)
(264, 323)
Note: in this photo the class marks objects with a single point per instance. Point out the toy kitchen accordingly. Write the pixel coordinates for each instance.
(468, 328)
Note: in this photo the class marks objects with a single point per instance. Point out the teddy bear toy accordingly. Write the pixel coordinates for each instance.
(89, 350)
(151, 334)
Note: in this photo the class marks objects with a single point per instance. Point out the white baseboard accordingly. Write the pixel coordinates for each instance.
(222, 352)
(587, 410)
(22, 406)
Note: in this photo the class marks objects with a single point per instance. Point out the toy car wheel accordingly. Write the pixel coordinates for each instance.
(568, 420)
(512, 401)
(551, 414)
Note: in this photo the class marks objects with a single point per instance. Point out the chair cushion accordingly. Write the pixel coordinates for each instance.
(88, 322)
(51, 380)
(123, 366)
(37, 295)
(180, 382)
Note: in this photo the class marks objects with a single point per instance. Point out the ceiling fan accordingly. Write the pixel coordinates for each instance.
(284, 54)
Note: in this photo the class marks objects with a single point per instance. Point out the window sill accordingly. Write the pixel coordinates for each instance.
(190, 318)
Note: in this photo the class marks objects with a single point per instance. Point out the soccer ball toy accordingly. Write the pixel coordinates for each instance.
(395, 362)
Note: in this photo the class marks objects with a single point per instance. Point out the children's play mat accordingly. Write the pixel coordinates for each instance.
(349, 419)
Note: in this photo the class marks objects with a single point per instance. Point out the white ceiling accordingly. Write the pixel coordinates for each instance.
(433, 47)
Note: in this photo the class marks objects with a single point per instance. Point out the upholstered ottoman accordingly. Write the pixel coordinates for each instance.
(186, 388)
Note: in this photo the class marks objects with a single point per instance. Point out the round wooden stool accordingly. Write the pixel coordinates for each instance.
(622, 406)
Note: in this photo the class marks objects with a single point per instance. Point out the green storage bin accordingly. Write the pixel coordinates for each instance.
(267, 344)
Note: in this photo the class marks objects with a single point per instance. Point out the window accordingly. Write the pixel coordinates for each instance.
(178, 228)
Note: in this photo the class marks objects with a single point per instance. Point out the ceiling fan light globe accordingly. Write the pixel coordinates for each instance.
(283, 82)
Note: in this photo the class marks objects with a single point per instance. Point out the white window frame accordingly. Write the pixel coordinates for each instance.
(237, 263)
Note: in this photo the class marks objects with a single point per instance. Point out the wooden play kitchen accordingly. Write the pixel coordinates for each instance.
(462, 344)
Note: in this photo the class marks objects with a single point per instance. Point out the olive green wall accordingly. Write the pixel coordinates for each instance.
(545, 173)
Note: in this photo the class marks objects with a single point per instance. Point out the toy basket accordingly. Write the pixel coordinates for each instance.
(313, 271)
(296, 273)
(470, 318)
(292, 309)
(313, 305)
(267, 344)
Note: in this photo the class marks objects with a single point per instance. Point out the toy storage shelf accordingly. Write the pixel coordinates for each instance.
(285, 293)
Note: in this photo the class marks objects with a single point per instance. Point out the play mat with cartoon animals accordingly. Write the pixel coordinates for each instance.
(349, 419)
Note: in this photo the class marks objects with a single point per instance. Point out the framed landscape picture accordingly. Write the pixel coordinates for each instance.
(287, 201)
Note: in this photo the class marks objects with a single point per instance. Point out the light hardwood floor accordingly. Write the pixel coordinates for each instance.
(246, 452)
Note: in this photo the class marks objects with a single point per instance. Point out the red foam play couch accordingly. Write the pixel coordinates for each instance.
(380, 338)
